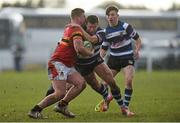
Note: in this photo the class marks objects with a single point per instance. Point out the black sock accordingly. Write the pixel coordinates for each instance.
(117, 96)
(127, 96)
(36, 108)
(104, 91)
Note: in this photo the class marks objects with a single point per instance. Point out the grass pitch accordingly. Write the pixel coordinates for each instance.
(156, 97)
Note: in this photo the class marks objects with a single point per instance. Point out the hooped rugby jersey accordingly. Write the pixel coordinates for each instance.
(119, 39)
(100, 33)
(65, 51)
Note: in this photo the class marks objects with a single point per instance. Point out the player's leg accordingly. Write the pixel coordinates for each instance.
(59, 92)
(50, 90)
(78, 86)
(62, 109)
(128, 72)
(68, 86)
(78, 83)
(96, 85)
(57, 72)
(105, 73)
(60, 88)
(87, 71)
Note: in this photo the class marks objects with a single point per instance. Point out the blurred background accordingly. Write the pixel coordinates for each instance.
(30, 30)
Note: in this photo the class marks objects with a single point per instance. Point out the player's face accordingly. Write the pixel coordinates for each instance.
(113, 18)
(91, 28)
(82, 19)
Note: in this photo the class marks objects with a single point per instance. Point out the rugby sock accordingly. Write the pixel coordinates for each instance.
(104, 91)
(36, 108)
(62, 103)
(127, 96)
(117, 96)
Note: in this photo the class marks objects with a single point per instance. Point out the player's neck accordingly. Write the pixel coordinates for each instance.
(114, 24)
(74, 21)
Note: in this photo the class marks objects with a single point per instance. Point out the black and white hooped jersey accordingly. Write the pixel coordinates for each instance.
(119, 39)
(100, 33)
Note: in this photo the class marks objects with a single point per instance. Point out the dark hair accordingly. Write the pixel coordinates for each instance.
(77, 12)
(111, 8)
(92, 19)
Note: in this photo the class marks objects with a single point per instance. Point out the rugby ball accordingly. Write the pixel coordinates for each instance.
(88, 45)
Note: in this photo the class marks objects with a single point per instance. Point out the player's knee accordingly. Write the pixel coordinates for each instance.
(58, 95)
(81, 85)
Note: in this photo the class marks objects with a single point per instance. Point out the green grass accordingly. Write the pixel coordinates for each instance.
(156, 97)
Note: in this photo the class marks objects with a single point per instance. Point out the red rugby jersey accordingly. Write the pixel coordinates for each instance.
(65, 51)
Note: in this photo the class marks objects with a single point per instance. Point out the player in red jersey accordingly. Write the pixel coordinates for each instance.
(61, 68)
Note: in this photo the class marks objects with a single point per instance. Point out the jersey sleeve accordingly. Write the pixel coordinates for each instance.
(105, 43)
(101, 35)
(131, 31)
(77, 34)
(72, 34)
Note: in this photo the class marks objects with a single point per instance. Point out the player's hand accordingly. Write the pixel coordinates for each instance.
(91, 53)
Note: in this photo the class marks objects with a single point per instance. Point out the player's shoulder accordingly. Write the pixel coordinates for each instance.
(72, 29)
(69, 31)
(100, 30)
(125, 25)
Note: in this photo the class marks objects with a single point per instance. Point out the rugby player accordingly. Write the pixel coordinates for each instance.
(119, 37)
(61, 68)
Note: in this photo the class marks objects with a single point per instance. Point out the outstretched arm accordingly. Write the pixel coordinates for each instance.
(93, 39)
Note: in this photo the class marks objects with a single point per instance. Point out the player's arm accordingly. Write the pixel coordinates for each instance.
(104, 48)
(103, 53)
(79, 47)
(93, 39)
(137, 48)
(134, 35)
